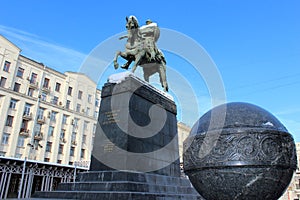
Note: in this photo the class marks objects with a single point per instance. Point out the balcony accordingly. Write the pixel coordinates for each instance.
(24, 132)
(41, 119)
(63, 140)
(46, 88)
(74, 143)
(27, 116)
(54, 102)
(33, 84)
(297, 188)
(38, 135)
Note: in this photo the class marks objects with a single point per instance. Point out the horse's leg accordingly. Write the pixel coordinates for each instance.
(116, 65)
(138, 57)
(163, 77)
(146, 75)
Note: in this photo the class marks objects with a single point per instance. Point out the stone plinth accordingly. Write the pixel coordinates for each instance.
(137, 130)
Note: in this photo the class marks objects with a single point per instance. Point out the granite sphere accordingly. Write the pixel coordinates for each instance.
(249, 155)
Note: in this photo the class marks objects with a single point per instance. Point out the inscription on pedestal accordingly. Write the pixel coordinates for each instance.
(111, 117)
(109, 146)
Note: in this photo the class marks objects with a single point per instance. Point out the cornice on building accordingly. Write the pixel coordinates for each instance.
(41, 66)
(183, 126)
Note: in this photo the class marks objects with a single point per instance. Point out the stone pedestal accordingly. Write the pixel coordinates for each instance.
(137, 130)
(135, 153)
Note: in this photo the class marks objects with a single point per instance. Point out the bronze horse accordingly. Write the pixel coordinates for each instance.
(141, 49)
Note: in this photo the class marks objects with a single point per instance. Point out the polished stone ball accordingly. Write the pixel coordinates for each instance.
(239, 151)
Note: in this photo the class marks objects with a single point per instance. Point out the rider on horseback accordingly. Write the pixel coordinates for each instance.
(141, 48)
(150, 34)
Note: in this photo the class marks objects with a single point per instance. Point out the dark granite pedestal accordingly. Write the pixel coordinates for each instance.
(135, 153)
(137, 130)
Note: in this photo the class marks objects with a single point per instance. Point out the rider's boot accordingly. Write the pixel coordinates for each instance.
(125, 66)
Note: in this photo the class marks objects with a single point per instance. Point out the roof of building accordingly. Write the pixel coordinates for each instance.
(10, 42)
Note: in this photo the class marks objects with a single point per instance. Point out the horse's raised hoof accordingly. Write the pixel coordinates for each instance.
(116, 65)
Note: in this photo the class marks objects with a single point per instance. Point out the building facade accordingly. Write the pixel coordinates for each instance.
(293, 191)
(46, 115)
(183, 133)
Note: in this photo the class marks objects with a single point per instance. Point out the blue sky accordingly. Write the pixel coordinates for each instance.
(254, 44)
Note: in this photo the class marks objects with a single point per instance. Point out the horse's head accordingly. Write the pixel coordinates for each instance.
(132, 23)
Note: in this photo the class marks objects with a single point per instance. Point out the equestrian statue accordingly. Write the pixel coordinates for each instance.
(141, 48)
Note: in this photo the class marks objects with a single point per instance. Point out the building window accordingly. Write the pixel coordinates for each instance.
(64, 119)
(97, 102)
(95, 114)
(30, 92)
(21, 141)
(44, 96)
(82, 153)
(27, 109)
(53, 116)
(17, 87)
(2, 81)
(20, 72)
(50, 131)
(33, 78)
(61, 149)
(87, 112)
(24, 125)
(5, 138)
(46, 82)
(55, 100)
(70, 91)
(48, 146)
(83, 139)
(73, 137)
(90, 98)
(75, 122)
(46, 159)
(13, 103)
(59, 161)
(68, 104)
(72, 151)
(78, 106)
(94, 128)
(38, 129)
(18, 155)
(79, 94)
(85, 125)
(41, 113)
(9, 120)
(62, 133)
(57, 87)
(6, 66)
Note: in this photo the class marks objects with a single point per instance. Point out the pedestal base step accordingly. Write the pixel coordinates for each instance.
(124, 185)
